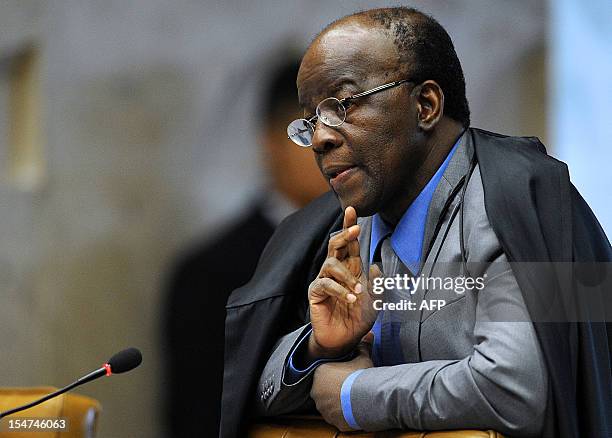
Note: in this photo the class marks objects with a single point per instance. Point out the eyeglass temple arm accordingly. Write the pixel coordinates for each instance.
(375, 90)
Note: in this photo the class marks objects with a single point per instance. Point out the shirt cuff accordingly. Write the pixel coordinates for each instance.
(345, 400)
(294, 375)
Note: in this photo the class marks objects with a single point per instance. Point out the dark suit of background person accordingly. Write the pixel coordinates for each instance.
(207, 273)
(551, 378)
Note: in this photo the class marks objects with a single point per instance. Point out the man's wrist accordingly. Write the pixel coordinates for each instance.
(316, 352)
(300, 362)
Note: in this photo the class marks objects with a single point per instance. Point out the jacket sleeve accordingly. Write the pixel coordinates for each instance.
(273, 395)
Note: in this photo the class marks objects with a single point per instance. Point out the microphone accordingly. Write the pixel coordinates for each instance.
(121, 362)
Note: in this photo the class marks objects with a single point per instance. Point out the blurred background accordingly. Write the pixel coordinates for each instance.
(129, 130)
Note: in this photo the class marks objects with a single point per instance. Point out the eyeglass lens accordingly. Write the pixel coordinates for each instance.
(300, 131)
(330, 111)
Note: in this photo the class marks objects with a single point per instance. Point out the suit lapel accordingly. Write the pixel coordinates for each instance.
(457, 168)
(442, 197)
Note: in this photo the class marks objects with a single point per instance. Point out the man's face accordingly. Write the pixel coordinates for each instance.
(370, 159)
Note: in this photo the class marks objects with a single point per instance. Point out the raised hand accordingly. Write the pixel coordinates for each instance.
(340, 298)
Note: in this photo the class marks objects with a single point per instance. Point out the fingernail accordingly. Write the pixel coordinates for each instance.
(358, 288)
(351, 298)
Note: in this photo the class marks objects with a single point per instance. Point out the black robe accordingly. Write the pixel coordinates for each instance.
(550, 222)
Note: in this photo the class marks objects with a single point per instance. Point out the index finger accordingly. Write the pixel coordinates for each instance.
(342, 247)
(350, 217)
(338, 242)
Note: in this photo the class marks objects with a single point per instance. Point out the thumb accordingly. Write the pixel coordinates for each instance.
(375, 271)
(368, 338)
(365, 346)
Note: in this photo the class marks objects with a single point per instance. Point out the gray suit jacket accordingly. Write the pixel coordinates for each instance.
(474, 363)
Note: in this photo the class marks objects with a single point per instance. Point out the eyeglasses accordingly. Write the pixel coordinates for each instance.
(332, 112)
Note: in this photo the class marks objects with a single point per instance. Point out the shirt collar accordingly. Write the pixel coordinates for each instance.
(407, 238)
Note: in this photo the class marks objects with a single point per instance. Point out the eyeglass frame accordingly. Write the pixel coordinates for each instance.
(309, 122)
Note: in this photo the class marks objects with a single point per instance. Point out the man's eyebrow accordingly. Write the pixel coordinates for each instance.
(336, 86)
(344, 83)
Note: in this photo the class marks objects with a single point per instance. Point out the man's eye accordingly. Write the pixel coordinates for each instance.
(349, 105)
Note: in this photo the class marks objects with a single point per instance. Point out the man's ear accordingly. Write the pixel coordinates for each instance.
(430, 104)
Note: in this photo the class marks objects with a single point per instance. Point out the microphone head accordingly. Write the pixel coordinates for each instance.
(125, 360)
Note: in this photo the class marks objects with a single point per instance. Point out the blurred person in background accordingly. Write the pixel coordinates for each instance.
(205, 275)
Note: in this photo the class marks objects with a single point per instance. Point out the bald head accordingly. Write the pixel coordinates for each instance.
(352, 52)
(423, 50)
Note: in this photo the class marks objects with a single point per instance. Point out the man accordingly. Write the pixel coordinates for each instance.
(388, 123)
(202, 279)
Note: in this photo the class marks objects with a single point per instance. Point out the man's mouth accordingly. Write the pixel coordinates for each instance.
(336, 170)
(338, 174)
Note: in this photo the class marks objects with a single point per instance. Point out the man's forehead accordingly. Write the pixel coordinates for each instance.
(350, 51)
(348, 35)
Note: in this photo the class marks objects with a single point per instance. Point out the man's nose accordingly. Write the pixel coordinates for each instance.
(325, 138)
